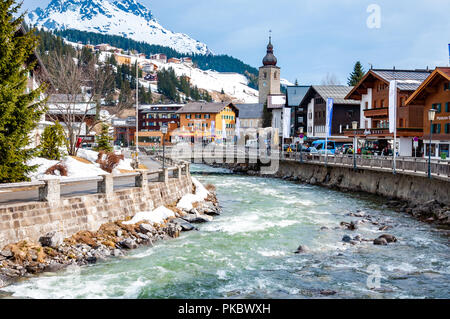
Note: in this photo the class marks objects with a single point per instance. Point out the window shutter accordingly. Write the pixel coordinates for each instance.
(446, 106)
(439, 108)
(438, 129)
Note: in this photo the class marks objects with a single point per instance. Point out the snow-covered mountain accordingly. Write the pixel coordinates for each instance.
(126, 18)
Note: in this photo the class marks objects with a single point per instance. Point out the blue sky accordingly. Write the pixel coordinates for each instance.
(313, 37)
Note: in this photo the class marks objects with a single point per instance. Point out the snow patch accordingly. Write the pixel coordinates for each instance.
(157, 216)
(185, 203)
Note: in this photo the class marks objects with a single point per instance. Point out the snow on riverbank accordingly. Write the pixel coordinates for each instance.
(75, 167)
(200, 195)
(159, 215)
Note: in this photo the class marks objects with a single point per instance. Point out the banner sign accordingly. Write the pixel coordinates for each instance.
(392, 106)
(238, 128)
(213, 128)
(330, 103)
(286, 122)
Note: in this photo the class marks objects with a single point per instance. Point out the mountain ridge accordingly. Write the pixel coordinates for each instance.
(119, 17)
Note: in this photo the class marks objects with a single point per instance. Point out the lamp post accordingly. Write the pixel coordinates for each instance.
(431, 116)
(164, 132)
(301, 143)
(355, 143)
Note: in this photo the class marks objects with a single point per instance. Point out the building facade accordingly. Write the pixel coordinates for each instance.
(124, 131)
(294, 96)
(208, 121)
(345, 111)
(434, 93)
(250, 115)
(373, 93)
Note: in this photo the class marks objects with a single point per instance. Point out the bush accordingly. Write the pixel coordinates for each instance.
(108, 161)
(60, 168)
(52, 139)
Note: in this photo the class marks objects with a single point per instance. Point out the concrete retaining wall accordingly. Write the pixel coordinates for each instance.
(414, 189)
(32, 220)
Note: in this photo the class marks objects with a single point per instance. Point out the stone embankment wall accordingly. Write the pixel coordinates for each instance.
(29, 221)
(410, 188)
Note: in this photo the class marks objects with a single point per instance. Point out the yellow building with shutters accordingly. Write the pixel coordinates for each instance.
(209, 121)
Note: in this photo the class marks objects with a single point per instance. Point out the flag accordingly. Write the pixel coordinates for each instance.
(238, 128)
(224, 129)
(392, 106)
(213, 128)
(330, 103)
(286, 122)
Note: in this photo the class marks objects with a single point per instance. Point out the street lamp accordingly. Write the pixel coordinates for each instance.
(164, 132)
(355, 143)
(301, 143)
(431, 116)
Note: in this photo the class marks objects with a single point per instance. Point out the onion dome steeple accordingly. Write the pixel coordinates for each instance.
(270, 59)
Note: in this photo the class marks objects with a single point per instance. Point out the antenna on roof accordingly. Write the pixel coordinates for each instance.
(371, 66)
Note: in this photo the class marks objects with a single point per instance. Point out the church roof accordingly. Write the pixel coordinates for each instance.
(250, 111)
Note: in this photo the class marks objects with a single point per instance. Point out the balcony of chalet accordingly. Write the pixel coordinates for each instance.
(384, 132)
(382, 112)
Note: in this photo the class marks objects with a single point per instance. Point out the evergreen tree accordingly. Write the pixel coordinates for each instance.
(19, 111)
(104, 141)
(267, 116)
(356, 75)
(52, 139)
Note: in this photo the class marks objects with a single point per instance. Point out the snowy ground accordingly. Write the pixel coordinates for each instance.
(76, 168)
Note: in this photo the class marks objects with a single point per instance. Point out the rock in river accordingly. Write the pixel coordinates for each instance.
(380, 242)
(346, 239)
(52, 239)
(389, 238)
(185, 226)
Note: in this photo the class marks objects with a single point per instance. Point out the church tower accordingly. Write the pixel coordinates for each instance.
(269, 75)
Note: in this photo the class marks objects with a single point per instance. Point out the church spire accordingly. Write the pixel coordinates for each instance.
(270, 59)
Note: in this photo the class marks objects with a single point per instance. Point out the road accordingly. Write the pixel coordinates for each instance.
(81, 188)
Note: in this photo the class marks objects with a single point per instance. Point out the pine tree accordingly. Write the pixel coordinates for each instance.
(52, 139)
(356, 75)
(104, 141)
(19, 111)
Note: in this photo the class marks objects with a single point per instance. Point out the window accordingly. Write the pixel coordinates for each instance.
(188, 116)
(402, 101)
(265, 75)
(447, 128)
(436, 128)
(447, 86)
(207, 116)
(275, 75)
(447, 107)
(437, 107)
(382, 103)
(375, 104)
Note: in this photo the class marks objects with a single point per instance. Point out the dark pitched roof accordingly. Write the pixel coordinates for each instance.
(203, 107)
(295, 94)
(250, 111)
(336, 92)
(407, 80)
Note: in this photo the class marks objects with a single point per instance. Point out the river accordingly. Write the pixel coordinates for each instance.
(247, 252)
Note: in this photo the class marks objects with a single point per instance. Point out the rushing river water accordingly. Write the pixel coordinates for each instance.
(247, 252)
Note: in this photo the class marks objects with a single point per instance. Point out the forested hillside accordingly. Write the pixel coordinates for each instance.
(220, 63)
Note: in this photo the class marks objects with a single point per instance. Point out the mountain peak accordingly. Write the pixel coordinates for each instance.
(127, 18)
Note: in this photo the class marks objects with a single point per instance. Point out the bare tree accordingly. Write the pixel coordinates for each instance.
(76, 94)
(330, 79)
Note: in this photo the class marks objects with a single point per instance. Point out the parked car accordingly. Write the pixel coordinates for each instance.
(320, 146)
